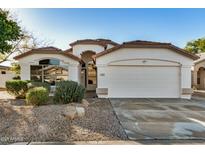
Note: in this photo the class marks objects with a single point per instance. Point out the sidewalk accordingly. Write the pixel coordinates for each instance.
(79, 143)
(138, 142)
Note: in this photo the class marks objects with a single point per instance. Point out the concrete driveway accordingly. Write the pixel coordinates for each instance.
(161, 118)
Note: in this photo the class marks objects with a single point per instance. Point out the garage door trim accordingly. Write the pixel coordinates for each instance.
(144, 62)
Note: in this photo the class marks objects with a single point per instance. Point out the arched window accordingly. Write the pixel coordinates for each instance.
(49, 62)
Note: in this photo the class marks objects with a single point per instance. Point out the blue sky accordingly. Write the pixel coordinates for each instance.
(62, 26)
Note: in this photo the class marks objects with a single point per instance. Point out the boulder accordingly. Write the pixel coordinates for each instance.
(85, 103)
(73, 112)
(70, 112)
(80, 111)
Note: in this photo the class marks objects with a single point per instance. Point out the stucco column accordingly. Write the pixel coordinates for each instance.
(25, 72)
(102, 83)
(186, 90)
(74, 73)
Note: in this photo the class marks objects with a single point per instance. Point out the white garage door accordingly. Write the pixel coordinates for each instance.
(143, 82)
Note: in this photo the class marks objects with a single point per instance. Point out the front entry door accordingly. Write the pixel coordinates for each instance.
(88, 74)
(89, 77)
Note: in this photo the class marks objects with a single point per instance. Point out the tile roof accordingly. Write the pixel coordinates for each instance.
(102, 42)
(148, 44)
(47, 50)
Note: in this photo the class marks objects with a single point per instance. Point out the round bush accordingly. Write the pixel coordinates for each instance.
(37, 96)
(18, 88)
(34, 84)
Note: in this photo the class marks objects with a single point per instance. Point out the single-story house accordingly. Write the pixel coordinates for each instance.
(198, 73)
(136, 69)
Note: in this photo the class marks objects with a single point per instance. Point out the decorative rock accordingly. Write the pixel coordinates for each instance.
(70, 112)
(85, 103)
(80, 111)
(42, 129)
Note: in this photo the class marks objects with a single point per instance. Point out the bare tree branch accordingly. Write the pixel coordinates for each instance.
(26, 43)
(7, 56)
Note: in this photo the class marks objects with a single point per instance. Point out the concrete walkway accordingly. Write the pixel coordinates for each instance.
(137, 142)
(161, 118)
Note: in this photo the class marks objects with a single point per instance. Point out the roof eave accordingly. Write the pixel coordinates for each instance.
(165, 45)
(56, 52)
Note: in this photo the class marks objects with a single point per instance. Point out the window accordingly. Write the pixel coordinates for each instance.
(3, 72)
(50, 71)
(53, 74)
(36, 73)
(49, 62)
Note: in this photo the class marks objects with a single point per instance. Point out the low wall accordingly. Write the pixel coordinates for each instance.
(4, 78)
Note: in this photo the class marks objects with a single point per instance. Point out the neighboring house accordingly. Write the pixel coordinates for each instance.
(5, 74)
(198, 74)
(136, 69)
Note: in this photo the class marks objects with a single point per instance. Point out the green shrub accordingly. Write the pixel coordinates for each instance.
(37, 96)
(18, 88)
(68, 91)
(79, 93)
(33, 84)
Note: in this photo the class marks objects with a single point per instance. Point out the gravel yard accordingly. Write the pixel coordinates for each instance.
(21, 123)
(99, 123)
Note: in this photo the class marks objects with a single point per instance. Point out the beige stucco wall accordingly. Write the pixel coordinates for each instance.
(147, 53)
(109, 46)
(5, 77)
(197, 66)
(33, 59)
(202, 80)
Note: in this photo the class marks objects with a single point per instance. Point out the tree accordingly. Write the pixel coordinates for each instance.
(16, 68)
(196, 46)
(10, 32)
(20, 46)
(14, 39)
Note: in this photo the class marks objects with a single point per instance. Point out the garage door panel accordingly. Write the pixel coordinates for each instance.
(141, 82)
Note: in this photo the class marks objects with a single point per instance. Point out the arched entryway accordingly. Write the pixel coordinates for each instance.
(89, 71)
(201, 78)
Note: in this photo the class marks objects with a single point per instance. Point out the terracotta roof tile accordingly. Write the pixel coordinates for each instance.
(47, 50)
(147, 44)
(102, 42)
(70, 50)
